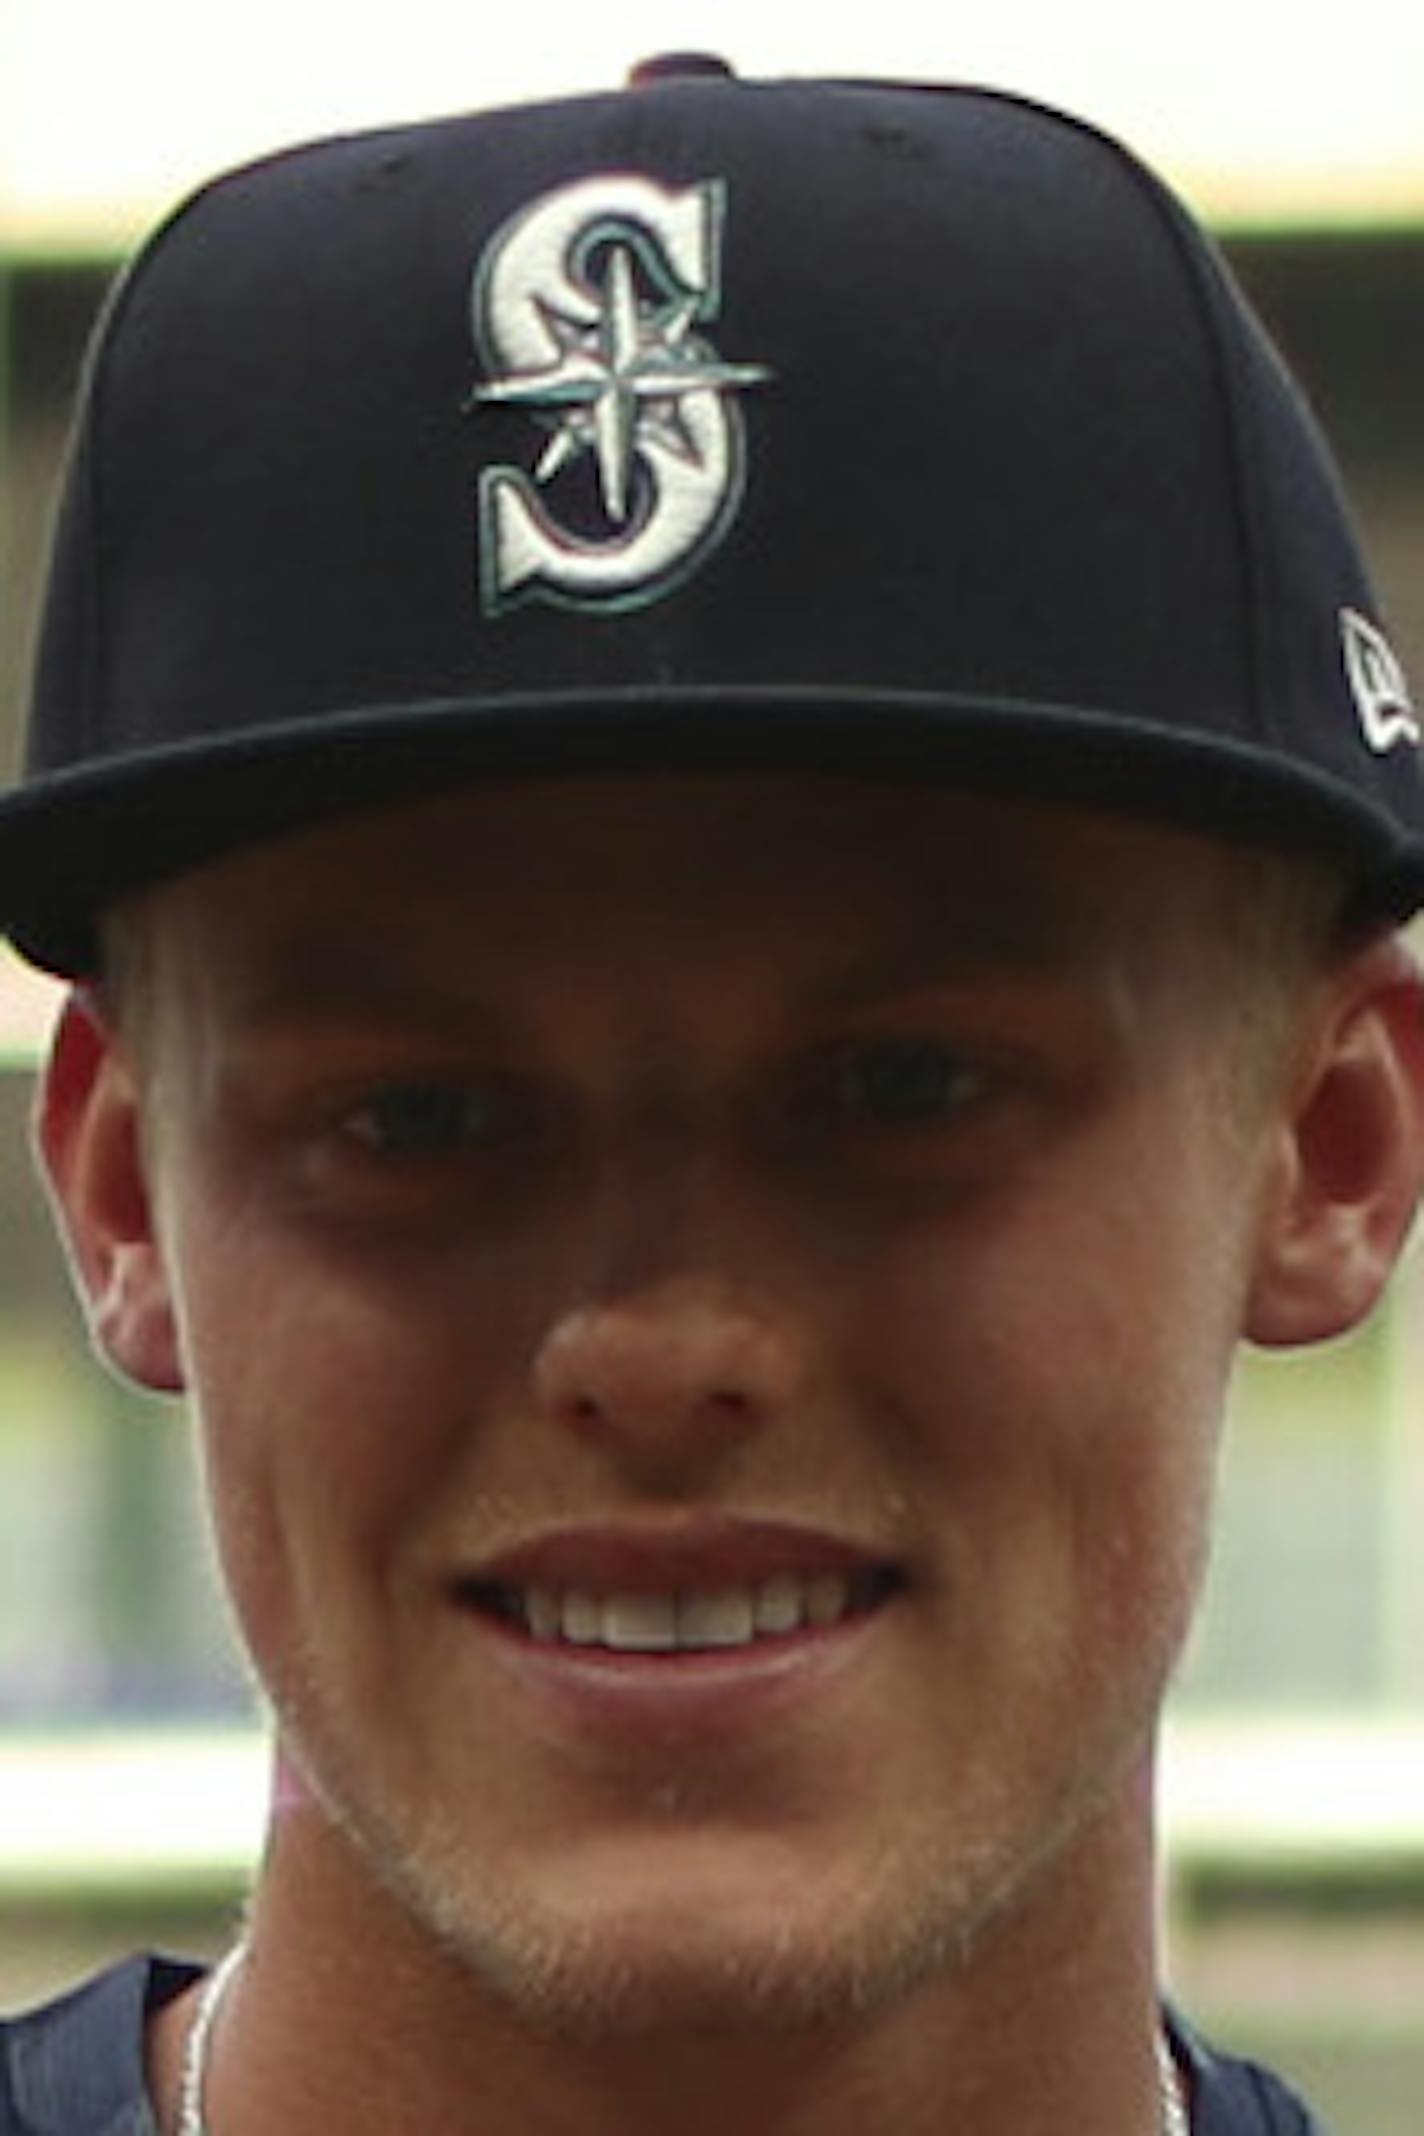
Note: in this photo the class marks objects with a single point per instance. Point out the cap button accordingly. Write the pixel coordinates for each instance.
(679, 67)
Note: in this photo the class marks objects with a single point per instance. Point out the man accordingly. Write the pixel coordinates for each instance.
(728, 810)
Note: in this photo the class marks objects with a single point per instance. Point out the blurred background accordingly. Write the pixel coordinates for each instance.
(132, 1762)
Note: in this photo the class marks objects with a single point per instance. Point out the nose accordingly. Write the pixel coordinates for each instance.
(676, 1373)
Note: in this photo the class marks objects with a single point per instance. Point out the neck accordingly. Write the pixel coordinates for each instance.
(348, 2014)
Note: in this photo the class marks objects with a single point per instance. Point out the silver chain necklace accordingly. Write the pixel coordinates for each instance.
(193, 2082)
(1173, 2119)
(1171, 2092)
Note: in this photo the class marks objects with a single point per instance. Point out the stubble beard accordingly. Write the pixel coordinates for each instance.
(628, 1978)
(918, 1913)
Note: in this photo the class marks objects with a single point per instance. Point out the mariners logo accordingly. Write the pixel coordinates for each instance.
(590, 310)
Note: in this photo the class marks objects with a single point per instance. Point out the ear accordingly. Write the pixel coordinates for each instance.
(1348, 1169)
(88, 1129)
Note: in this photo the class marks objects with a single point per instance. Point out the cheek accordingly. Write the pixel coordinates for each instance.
(1056, 1374)
(332, 1411)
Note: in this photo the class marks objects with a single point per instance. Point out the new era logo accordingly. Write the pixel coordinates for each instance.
(1377, 683)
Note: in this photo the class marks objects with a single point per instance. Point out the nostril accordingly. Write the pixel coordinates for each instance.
(614, 1405)
(680, 1358)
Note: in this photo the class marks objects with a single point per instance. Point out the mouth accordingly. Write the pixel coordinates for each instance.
(684, 1619)
(692, 1637)
(707, 1584)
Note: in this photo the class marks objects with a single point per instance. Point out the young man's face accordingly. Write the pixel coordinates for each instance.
(709, 1304)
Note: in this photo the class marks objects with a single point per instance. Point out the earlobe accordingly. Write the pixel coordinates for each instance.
(1348, 1169)
(87, 1127)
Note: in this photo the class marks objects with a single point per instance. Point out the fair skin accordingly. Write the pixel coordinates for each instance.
(777, 1193)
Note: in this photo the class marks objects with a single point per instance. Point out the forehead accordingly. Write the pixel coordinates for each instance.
(605, 870)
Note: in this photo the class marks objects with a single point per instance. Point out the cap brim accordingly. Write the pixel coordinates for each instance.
(76, 842)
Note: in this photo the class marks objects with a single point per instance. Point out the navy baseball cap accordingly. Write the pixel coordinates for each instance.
(879, 429)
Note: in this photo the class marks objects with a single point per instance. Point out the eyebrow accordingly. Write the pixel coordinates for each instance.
(963, 947)
(355, 981)
(1018, 925)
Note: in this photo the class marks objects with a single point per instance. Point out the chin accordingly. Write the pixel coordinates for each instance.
(700, 1939)
(624, 1977)
(681, 1920)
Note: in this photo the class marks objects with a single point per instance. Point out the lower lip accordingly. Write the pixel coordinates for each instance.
(671, 1698)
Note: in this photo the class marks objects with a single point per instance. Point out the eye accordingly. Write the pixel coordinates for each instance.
(899, 1083)
(422, 1120)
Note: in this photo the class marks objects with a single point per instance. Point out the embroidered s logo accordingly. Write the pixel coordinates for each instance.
(585, 307)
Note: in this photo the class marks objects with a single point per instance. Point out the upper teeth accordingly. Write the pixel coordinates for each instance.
(654, 1623)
